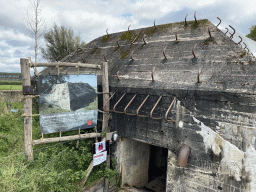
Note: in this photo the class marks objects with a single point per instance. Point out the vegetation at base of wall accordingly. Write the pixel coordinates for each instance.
(105, 38)
(10, 82)
(56, 166)
(10, 87)
(243, 53)
(128, 35)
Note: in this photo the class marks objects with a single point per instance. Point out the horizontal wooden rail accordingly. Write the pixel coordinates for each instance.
(66, 138)
(65, 64)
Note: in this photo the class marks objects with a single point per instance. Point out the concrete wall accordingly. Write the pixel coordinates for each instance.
(134, 162)
(11, 96)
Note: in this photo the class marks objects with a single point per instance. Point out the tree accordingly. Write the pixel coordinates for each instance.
(60, 41)
(252, 34)
(35, 25)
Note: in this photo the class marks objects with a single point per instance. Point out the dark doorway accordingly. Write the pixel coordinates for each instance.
(157, 169)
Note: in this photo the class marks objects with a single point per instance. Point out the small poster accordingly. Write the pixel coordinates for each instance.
(99, 158)
(100, 147)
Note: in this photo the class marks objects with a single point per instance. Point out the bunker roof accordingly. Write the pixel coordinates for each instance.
(197, 56)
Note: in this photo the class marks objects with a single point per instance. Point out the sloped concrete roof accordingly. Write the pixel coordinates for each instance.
(220, 64)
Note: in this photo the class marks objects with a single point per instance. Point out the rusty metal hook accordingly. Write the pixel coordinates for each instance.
(186, 20)
(164, 53)
(105, 57)
(226, 31)
(67, 71)
(233, 32)
(129, 105)
(69, 58)
(114, 108)
(118, 43)
(166, 114)
(117, 75)
(230, 36)
(219, 22)
(248, 49)
(137, 112)
(104, 109)
(83, 58)
(152, 74)
(129, 28)
(107, 31)
(144, 39)
(131, 54)
(209, 32)
(198, 75)
(245, 45)
(193, 51)
(151, 113)
(240, 40)
(176, 36)
(155, 24)
(195, 16)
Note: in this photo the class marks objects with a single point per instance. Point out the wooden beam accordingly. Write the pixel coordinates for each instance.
(105, 89)
(25, 75)
(65, 64)
(66, 138)
(89, 169)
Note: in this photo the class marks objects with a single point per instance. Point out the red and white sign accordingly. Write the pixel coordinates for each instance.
(99, 158)
(100, 147)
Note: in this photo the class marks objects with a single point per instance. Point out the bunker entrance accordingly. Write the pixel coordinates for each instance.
(157, 169)
(143, 166)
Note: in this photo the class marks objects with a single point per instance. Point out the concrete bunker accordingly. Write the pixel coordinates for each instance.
(143, 165)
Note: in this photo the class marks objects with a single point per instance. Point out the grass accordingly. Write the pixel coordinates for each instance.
(105, 38)
(10, 87)
(58, 167)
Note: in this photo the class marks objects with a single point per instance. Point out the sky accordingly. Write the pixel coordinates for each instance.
(91, 18)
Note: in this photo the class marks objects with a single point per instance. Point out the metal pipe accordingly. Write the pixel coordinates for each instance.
(183, 156)
(219, 22)
(137, 112)
(129, 105)
(166, 114)
(104, 109)
(151, 113)
(114, 108)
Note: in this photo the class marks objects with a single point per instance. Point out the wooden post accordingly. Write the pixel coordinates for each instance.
(105, 89)
(25, 74)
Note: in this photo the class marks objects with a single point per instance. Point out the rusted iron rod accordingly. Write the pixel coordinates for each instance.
(195, 17)
(240, 40)
(209, 32)
(186, 20)
(114, 108)
(129, 105)
(104, 109)
(151, 113)
(155, 24)
(226, 31)
(105, 57)
(144, 39)
(152, 75)
(193, 51)
(164, 53)
(117, 75)
(129, 28)
(219, 22)
(166, 114)
(137, 112)
(131, 55)
(233, 32)
(245, 45)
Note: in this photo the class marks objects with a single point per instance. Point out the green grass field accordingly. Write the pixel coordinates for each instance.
(10, 87)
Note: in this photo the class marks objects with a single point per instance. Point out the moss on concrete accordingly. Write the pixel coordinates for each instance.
(105, 38)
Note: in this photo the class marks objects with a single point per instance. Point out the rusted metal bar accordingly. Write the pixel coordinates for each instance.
(107, 31)
(186, 20)
(195, 17)
(245, 45)
(131, 54)
(193, 51)
(155, 24)
(105, 57)
(144, 39)
(49, 72)
(69, 58)
(166, 114)
(248, 49)
(129, 28)
(137, 112)
(104, 109)
(114, 108)
(129, 105)
(233, 32)
(240, 40)
(95, 45)
(152, 74)
(176, 36)
(83, 58)
(151, 113)
(118, 43)
(209, 32)
(230, 35)
(198, 75)
(117, 75)
(226, 31)
(164, 53)
(219, 22)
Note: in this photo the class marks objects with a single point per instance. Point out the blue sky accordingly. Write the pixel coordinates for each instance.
(90, 79)
(91, 18)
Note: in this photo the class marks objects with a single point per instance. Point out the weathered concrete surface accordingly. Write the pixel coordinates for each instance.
(134, 162)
